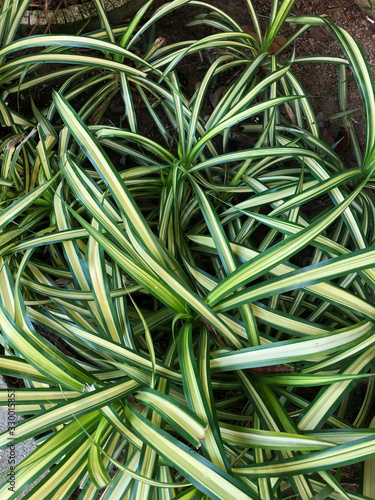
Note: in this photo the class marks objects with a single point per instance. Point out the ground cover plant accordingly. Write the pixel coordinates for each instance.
(200, 323)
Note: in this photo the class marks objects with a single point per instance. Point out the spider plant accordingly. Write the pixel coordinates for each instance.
(167, 320)
(29, 147)
(246, 40)
(104, 63)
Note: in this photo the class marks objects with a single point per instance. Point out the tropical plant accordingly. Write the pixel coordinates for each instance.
(29, 146)
(118, 60)
(167, 317)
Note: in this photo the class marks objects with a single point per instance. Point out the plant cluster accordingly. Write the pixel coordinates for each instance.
(193, 325)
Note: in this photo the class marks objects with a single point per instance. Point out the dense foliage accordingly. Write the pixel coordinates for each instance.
(195, 324)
